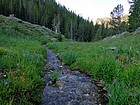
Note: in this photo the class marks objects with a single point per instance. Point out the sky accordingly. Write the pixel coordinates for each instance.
(93, 9)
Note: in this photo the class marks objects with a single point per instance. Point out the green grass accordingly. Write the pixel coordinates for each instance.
(115, 61)
(21, 59)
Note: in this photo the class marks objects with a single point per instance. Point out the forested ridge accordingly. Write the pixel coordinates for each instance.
(61, 20)
(51, 15)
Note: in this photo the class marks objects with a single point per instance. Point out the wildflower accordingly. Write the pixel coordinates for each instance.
(38, 55)
(23, 73)
(5, 76)
(6, 82)
(130, 48)
(11, 101)
(15, 78)
(109, 95)
(18, 64)
(22, 78)
(130, 94)
(34, 51)
(24, 55)
(105, 89)
(1, 72)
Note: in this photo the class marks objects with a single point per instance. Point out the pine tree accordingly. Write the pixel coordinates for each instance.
(98, 35)
(116, 16)
(134, 18)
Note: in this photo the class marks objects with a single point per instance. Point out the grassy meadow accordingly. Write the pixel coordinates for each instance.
(21, 59)
(115, 61)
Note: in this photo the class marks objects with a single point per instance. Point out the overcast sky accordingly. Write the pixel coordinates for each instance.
(93, 8)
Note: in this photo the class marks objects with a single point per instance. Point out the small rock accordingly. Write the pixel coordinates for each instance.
(63, 63)
(87, 102)
(6, 82)
(85, 87)
(99, 84)
(69, 72)
(62, 78)
(54, 40)
(61, 91)
(72, 78)
(12, 15)
(59, 83)
(73, 102)
(5, 76)
(60, 88)
(113, 48)
(86, 95)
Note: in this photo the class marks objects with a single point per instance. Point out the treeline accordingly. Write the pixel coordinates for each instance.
(56, 17)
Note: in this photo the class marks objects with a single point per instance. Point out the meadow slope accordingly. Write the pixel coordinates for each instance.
(21, 59)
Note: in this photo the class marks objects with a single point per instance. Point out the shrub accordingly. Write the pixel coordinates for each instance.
(8, 61)
(121, 94)
(68, 57)
(105, 68)
(4, 51)
(118, 93)
(54, 76)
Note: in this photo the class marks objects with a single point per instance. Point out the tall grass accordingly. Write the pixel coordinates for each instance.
(69, 57)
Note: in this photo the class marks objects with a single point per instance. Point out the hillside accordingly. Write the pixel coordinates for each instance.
(21, 59)
(50, 14)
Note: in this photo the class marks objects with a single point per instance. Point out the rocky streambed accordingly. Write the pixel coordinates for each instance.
(71, 87)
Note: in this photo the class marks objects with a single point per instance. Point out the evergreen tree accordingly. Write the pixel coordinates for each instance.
(134, 18)
(116, 16)
(98, 35)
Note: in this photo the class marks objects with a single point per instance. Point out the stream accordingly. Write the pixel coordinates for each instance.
(71, 87)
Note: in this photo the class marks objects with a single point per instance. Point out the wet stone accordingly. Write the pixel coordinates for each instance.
(86, 102)
(74, 102)
(47, 78)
